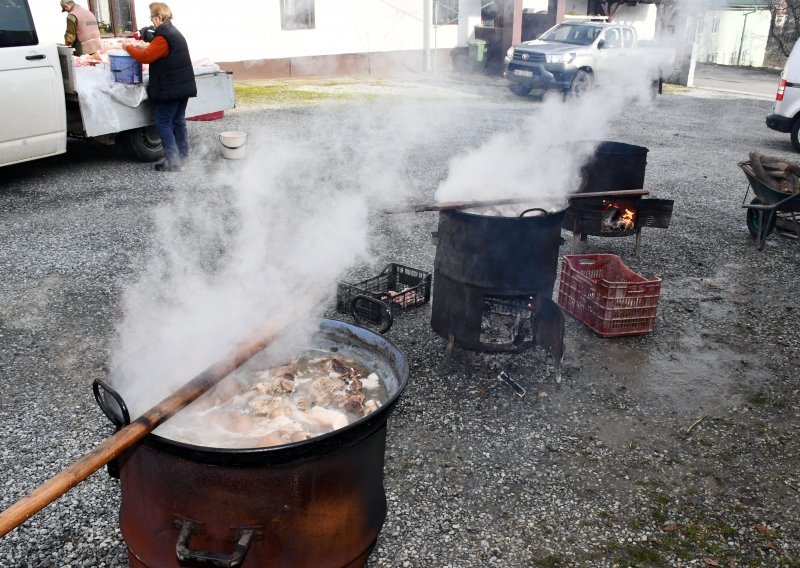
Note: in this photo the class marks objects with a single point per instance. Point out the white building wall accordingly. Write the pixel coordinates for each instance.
(241, 30)
(641, 16)
(721, 45)
(247, 30)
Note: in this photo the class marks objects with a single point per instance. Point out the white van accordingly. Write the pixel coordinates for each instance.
(785, 115)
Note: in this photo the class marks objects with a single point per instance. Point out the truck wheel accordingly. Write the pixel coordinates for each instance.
(795, 135)
(144, 143)
(581, 82)
(519, 89)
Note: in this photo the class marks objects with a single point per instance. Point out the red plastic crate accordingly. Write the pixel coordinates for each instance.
(607, 296)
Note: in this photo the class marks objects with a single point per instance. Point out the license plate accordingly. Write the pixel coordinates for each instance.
(523, 73)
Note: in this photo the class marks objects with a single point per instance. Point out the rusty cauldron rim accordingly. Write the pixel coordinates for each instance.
(318, 446)
(549, 214)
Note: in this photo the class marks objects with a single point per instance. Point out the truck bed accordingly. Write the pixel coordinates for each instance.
(105, 115)
(97, 106)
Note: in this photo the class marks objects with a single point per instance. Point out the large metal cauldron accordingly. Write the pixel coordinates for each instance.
(490, 267)
(317, 503)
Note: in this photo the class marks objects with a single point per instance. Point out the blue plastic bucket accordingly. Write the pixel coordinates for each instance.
(125, 68)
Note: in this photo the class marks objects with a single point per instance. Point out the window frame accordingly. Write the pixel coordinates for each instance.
(448, 5)
(290, 21)
(114, 17)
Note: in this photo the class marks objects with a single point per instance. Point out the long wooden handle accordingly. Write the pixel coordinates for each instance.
(455, 205)
(134, 432)
(616, 193)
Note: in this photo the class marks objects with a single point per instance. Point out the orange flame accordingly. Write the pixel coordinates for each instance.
(625, 217)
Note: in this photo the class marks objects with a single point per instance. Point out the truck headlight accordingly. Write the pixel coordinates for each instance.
(510, 52)
(560, 58)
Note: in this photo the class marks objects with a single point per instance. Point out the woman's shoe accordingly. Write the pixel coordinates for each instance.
(166, 167)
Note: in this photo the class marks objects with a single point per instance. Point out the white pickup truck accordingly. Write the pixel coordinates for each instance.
(571, 56)
(44, 98)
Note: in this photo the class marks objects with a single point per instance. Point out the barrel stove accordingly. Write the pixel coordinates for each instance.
(494, 278)
(614, 166)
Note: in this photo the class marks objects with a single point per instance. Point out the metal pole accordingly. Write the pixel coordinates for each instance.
(426, 34)
(741, 41)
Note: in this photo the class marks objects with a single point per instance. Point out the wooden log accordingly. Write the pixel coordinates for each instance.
(795, 182)
(755, 163)
(133, 433)
(777, 174)
(775, 166)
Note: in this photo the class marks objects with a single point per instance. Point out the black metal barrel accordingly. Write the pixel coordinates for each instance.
(482, 256)
(614, 166)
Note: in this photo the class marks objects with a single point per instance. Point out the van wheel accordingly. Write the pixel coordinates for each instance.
(795, 135)
(144, 143)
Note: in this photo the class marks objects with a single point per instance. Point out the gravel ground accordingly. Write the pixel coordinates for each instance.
(675, 448)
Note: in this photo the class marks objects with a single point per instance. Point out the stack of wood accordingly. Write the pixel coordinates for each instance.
(774, 172)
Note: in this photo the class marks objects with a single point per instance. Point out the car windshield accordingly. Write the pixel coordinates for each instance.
(576, 34)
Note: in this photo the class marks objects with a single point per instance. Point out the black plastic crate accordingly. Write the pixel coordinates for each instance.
(399, 287)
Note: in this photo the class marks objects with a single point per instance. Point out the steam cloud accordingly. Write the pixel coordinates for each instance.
(270, 234)
(542, 157)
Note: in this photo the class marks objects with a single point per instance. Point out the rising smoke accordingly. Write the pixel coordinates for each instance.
(272, 234)
(265, 236)
(541, 158)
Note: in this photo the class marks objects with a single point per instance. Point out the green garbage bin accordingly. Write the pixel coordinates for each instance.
(477, 54)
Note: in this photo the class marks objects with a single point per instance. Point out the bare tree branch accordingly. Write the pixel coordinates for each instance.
(784, 23)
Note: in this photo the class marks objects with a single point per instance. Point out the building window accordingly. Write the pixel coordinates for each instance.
(297, 14)
(445, 12)
(116, 18)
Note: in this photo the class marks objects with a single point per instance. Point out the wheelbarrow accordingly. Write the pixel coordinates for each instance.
(769, 208)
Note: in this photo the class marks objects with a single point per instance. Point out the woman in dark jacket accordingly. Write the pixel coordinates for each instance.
(171, 84)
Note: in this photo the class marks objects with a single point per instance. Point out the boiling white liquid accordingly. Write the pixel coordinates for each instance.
(248, 409)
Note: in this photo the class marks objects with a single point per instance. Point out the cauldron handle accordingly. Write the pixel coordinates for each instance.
(381, 305)
(119, 421)
(235, 558)
(534, 209)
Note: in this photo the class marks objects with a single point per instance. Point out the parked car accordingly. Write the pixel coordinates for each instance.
(785, 114)
(570, 56)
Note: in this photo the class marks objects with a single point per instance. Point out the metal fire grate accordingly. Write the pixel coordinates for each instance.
(606, 218)
(508, 320)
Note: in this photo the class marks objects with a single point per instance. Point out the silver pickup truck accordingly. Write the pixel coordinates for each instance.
(570, 56)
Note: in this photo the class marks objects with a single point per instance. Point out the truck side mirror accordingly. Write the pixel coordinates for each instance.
(601, 44)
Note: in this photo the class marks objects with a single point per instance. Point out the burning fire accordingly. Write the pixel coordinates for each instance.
(619, 214)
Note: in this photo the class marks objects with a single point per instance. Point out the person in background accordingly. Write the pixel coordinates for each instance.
(170, 86)
(83, 33)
